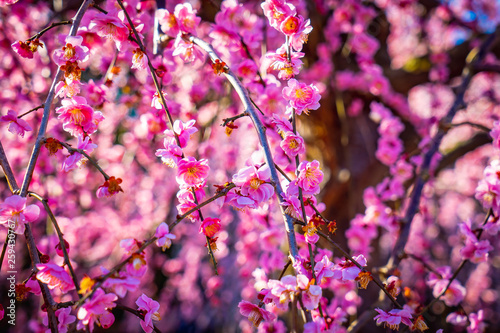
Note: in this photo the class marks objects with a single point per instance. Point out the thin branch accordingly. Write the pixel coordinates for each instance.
(81, 151)
(53, 25)
(61, 239)
(260, 128)
(7, 170)
(32, 110)
(469, 123)
(398, 251)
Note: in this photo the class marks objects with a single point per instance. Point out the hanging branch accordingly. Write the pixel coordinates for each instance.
(398, 251)
(261, 131)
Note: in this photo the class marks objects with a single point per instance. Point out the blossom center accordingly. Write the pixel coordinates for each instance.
(69, 51)
(255, 317)
(303, 94)
(255, 183)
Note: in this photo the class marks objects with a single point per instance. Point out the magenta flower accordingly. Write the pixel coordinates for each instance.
(149, 308)
(16, 125)
(76, 159)
(186, 18)
(172, 153)
(67, 88)
(168, 22)
(96, 310)
(111, 27)
(301, 96)
(253, 184)
(192, 172)
(183, 130)
(346, 270)
(255, 314)
(454, 294)
(310, 176)
(2, 312)
(34, 286)
(277, 11)
(283, 290)
(292, 144)
(474, 250)
(186, 50)
(156, 101)
(15, 212)
(311, 294)
(287, 68)
(323, 269)
(210, 226)
(119, 283)
(64, 318)
(72, 51)
(23, 49)
(54, 276)
(139, 59)
(393, 318)
(78, 117)
(164, 236)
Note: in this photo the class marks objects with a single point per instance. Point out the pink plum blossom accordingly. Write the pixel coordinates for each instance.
(210, 226)
(149, 308)
(293, 144)
(76, 160)
(346, 270)
(14, 211)
(311, 293)
(323, 269)
(393, 318)
(54, 276)
(277, 11)
(186, 50)
(474, 250)
(72, 51)
(287, 68)
(192, 172)
(96, 310)
(164, 236)
(78, 117)
(252, 181)
(119, 283)
(111, 27)
(184, 131)
(310, 176)
(17, 125)
(301, 96)
(186, 18)
(254, 313)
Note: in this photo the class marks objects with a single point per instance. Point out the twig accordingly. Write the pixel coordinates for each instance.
(32, 110)
(53, 25)
(469, 123)
(230, 119)
(81, 151)
(260, 128)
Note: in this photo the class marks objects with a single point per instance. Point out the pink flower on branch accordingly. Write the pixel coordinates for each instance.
(96, 310)
(164, 236)
(210, 226)
(254, 313)
(301, 96)
(110, 26)
(149, 308)
(393, 318)
(14, 210)
(277, 11)
(16, 125)
(76, 159)
(293, 144)
(78, 117)
(72, 51)
(309, 178)
(54, 276)
(192, 172)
